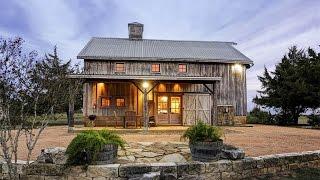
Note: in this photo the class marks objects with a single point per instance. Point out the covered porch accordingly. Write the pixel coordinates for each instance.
(143, 101)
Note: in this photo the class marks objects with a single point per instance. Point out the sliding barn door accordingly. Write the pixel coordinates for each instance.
(196, 107)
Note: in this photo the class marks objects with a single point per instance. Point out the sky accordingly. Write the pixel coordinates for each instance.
(263, 29)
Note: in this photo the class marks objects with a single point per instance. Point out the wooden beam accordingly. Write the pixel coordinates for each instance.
(211, 90)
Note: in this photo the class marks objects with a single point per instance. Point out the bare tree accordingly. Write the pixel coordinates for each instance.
(22, 86)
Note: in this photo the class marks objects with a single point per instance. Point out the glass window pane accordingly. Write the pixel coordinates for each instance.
(120, 102)
(175, 104)
(163, 104)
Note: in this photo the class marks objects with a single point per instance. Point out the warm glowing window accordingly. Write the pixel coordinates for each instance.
(182, 68)
(175, 104)
(162, 104)
(155, 67)
(120, 67)
(105, 102)
(120, 102)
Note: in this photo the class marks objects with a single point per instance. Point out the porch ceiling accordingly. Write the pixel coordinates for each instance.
(199, 79)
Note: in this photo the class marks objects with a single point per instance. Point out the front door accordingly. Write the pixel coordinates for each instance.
(169, 109)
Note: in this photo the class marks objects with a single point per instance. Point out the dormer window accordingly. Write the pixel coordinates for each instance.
(182, 68)
(155, 68)
(119, 67)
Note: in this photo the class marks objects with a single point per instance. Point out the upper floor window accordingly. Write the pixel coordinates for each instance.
(182, 68)
(155, 68)
(120, 102)
(120, 67)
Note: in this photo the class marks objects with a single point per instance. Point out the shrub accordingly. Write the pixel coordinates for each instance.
(84, 147)
(202, 132)
(257, 116)
(314, 120)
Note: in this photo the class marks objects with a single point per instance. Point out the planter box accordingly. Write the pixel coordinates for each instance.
(206, 151)
(108, 154)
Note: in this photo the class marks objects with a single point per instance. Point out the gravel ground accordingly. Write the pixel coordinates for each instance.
(256, 140)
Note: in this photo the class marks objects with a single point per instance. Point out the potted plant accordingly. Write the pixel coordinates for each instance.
(94, 147)
(204, 141)
(92, 118)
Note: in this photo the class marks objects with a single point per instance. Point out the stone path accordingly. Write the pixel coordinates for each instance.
(145, 152)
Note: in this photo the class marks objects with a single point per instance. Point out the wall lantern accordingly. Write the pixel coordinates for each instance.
(237, 68)
(145, 85)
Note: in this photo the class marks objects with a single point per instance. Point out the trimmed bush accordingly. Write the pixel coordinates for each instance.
(202, 132)
(84, 148)
(257, 116)
(314, 120)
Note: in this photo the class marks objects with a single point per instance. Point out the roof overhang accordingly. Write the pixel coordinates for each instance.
(146, 78)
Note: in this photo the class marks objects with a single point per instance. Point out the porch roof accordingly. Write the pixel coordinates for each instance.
(146, 77)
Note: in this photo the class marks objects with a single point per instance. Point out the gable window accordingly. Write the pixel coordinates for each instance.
(105, 102)
(120, 67)
(120, 102)
(155, 68)
(182, 68)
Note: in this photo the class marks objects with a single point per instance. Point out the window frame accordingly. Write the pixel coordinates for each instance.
(151, 69)
(186, 68)
(116, 68)
(108, 99)
(124, 102)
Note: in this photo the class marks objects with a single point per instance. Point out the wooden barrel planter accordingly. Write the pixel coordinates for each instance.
(108, 154)
(206, 151)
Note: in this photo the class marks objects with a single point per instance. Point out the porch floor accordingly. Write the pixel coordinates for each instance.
(120, 130)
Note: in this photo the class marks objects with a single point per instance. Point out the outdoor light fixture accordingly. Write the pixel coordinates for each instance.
(237, 68)
(145, 85)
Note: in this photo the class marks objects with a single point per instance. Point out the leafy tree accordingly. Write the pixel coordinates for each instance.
(292, 87)
(54, 75)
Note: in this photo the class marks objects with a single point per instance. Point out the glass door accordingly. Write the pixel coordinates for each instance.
(175, 110)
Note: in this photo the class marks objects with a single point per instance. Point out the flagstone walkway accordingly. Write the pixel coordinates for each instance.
(145, 152)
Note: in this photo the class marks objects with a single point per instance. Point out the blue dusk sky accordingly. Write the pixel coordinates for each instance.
(263, 29)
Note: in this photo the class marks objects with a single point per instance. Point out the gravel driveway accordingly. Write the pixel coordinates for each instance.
(256, 140)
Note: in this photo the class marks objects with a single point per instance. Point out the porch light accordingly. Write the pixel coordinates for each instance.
(145, 85)
(237, 68)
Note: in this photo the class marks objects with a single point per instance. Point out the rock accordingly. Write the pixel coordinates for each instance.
(54, 155)
(149, 154)
(231, 152)
(145, 143)
(146, 160)
(151, 176)
(173, 158)
(126, 159)
(108, 170)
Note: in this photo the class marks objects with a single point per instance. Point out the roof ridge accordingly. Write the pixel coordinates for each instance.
(228, 42)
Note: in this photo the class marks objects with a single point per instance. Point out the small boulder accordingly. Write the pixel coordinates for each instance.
(54, 155)
(232, 153)
(173, 158)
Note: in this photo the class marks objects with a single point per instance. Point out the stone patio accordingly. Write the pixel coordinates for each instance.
(148, 152)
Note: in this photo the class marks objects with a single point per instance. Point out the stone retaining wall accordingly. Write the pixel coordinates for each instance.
(223, 169)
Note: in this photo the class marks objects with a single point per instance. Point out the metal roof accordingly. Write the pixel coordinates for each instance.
(165, 50)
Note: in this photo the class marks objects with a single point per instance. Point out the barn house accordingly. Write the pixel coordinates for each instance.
(131, 81)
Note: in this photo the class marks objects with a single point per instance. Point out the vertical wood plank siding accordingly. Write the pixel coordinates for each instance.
(231, 90)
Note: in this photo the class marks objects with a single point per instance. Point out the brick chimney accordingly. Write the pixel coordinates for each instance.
(135, 31)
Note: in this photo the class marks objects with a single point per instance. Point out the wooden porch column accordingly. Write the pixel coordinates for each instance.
(145, 110)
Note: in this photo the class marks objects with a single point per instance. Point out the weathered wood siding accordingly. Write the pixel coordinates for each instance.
(231, 90)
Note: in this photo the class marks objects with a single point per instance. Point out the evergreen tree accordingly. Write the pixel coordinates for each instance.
(293, 87)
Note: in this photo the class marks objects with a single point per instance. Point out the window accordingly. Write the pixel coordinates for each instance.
(120, 102)
(162, 104)
(120, 67)
(182, 68)
(105, 102)
(175, 104)
(155, 68)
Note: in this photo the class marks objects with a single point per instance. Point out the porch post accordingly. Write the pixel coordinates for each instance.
(145, 110)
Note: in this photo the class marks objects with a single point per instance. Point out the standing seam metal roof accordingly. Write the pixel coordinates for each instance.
(123, 48)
